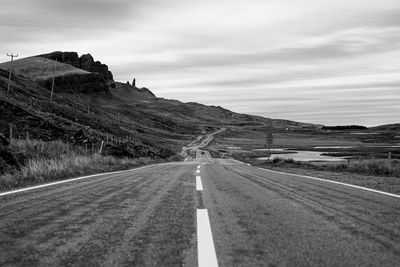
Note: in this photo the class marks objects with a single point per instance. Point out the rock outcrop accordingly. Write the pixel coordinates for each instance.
(90, 83)
(85, 62)
(146, 91)
(97, 81)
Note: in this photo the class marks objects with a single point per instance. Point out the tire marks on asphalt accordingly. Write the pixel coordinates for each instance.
(332, 210)
(92, 222)
(334, 182)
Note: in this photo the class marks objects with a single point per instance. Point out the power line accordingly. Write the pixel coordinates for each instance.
(9, 76)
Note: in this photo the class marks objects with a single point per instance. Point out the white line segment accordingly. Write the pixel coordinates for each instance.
(197, 171)
(205, 243)
(199, 185)
(334, 182)
(73, 179)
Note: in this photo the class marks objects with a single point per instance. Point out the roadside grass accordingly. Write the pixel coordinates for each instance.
(370, 167)
(249, 140)
(378, 167)
(55, 160)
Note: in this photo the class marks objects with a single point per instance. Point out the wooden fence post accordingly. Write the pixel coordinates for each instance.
(101, 147)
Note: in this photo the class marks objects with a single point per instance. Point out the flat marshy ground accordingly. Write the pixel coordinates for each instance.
(356, 158)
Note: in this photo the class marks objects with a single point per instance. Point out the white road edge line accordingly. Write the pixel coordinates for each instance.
(199, 185)
(206, 254)
(73, 179)
(334, 182)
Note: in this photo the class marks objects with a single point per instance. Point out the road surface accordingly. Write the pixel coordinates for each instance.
(205, 212)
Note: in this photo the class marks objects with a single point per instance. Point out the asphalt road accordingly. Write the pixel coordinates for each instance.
(151, 217)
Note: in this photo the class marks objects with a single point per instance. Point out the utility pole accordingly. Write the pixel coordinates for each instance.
(54, 79)
(269, 139)
(9, 76)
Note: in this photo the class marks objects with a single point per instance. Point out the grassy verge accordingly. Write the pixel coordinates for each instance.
(379, 167)
(372, 174)
(49, 161)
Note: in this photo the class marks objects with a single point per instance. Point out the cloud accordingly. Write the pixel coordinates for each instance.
(290, 59)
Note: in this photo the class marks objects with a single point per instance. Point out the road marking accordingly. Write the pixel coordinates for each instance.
(198, 167)
(74, 179)
(197, 171)
(199, 185)
(334, 182)
(205, 243)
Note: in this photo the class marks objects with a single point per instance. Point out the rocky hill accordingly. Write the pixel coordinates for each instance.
(71, 74)
(84, 62)
(90, 107)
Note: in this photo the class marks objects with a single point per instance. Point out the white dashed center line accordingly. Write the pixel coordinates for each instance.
(197, 171)
(205, 243)
(199, 185)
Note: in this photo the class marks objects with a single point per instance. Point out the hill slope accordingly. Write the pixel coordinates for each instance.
(89, 106)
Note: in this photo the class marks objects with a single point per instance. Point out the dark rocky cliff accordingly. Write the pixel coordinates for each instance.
(85, 62)
(97, 81)
(90, 83)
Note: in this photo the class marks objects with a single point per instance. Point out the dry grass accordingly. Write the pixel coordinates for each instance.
(41, 68)
(55, 160)
(366, 167)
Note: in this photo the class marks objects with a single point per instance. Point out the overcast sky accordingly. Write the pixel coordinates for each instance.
(320, 61)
